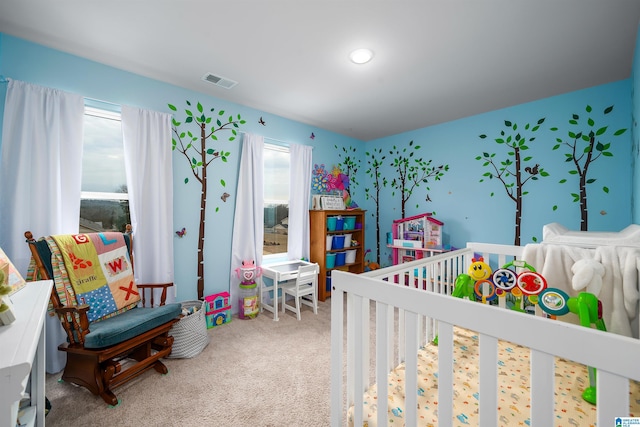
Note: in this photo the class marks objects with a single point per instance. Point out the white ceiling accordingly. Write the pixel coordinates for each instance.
(435, 60)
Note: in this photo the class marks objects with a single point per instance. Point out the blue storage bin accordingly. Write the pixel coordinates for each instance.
(349, 223)
(331, 260)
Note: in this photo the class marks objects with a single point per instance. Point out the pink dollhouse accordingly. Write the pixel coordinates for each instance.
(415, 237)
(218, 309)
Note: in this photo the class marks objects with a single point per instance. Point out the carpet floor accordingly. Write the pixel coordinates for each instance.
(254, 372)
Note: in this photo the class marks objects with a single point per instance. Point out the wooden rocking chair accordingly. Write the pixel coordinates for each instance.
(104, 352)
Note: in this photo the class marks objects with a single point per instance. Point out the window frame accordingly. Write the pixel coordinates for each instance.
(273, 257)
(90, 110)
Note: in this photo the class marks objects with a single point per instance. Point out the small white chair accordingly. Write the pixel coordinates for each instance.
(306, 284)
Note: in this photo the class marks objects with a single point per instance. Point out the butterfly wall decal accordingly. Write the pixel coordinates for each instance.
(224, 196)
(313, 135)
(262, 122)
(182, 232)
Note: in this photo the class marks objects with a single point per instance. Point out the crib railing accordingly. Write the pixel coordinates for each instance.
(436, 274)
(405, 317)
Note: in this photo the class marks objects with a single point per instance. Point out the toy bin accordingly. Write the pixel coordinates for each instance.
(190, 332)
(349, 222)
(248, 301)
(338, 241)
(340, 258)
(331, 260)
(347, 241)
(339, 223)
(350, 256)
(329, 242)
(331, 223)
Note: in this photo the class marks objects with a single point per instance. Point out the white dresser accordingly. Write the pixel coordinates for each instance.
(22, 353)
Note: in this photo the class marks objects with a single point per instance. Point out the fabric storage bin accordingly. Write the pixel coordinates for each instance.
(340, 258)
(331, 260)
(329, 242)
(331, 223)
(338, 241)
(350, 257)
(189, 333)
(349, 223)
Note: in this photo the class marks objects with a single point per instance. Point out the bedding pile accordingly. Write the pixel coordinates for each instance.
(513, 385)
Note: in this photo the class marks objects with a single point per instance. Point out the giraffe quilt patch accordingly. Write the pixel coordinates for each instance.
(100, 271)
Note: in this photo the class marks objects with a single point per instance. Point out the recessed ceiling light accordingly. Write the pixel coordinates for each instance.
(361, 56)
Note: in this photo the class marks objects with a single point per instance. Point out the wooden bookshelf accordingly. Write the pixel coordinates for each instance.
(318, 245)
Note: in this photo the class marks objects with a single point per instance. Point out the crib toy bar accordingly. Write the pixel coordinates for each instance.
(481, 283)
(588, 307)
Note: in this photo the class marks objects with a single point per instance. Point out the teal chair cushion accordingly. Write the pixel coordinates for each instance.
(131, 323)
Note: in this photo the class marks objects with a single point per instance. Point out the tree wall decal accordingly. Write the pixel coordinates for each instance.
(350, 164)
(412, 172)
(375, 161)
(196, 148)
(584, 147)
(516, 169)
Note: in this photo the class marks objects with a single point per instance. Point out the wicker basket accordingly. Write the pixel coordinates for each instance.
(190, 335)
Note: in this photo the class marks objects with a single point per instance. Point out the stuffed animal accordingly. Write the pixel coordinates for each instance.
(587, 276)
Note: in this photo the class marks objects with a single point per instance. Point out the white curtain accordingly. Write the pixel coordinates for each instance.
(248, 223)
(147, 148)
(40, 176)
(299, 196)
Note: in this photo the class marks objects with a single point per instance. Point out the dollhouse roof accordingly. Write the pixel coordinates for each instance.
(428, 216)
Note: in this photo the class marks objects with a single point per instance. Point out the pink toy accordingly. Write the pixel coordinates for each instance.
(218, 309)
(248, 272)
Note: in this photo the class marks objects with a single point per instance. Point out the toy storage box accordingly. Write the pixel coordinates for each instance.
(218, 309)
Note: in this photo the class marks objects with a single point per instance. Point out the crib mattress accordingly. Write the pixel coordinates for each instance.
(513, 384)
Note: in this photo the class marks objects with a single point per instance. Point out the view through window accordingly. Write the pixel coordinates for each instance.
(104, 202)
(276, 199)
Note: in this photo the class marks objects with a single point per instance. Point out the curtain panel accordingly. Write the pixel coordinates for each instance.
(148, 165)
(40, 166)
(40, 172)
(248, 223)
(299, 196)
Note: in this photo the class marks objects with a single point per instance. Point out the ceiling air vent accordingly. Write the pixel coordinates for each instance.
(219, 81)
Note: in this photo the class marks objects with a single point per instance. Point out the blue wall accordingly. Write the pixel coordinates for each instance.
(465, 205)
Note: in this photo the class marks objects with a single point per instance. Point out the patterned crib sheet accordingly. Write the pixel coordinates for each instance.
(513, 385)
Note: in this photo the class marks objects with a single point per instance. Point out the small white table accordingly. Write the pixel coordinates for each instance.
(22, 354)
(278, 272)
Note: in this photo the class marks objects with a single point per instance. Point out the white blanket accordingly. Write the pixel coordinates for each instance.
(620, 292)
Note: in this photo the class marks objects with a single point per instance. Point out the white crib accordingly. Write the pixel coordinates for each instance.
(407, 308)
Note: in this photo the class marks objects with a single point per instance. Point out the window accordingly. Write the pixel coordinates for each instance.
(104, 202)
(276, 199)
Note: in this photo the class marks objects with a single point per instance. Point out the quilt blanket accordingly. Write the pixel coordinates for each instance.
(99, 272)
(513, 388)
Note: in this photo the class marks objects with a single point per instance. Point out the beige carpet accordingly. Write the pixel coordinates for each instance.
(254, 372)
